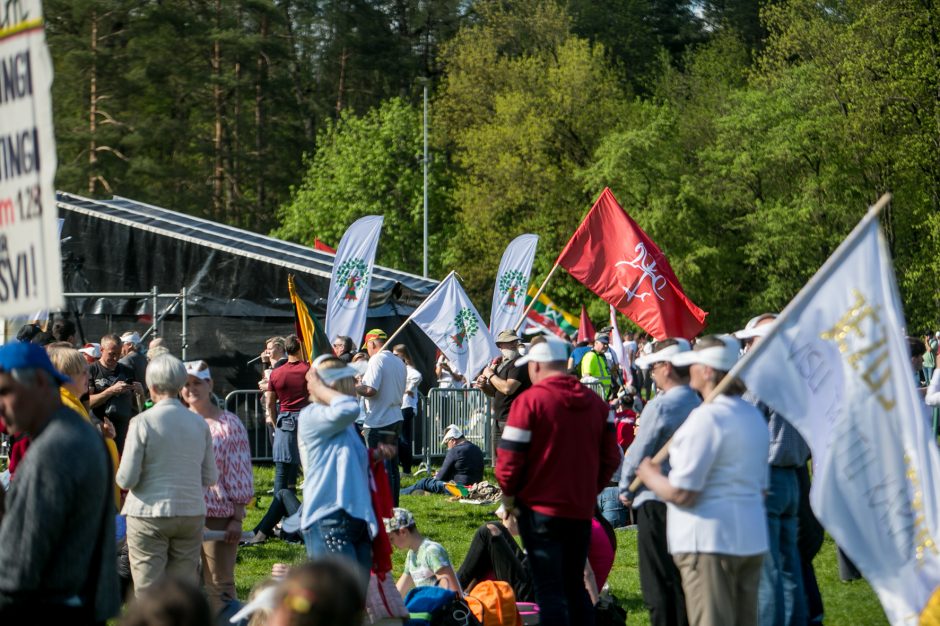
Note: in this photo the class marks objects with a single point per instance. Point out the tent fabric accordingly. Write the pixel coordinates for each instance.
(236, 283)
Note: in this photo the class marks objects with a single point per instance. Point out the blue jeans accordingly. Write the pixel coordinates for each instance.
(429, 484)
(781, 599)
(285, 476)
(341, 534)
(557, 548)
(612, 508)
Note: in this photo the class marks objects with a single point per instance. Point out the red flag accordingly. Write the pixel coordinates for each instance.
(322, 247)
(614, 258)
(586, 328)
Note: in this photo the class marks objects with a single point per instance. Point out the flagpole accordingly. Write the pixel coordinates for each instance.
(388, 342)
(534, 298)
(873, 212)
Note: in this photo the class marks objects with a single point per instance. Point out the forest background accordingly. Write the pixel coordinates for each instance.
(747, 138)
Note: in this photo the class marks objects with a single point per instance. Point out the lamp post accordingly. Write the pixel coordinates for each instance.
(425, 160)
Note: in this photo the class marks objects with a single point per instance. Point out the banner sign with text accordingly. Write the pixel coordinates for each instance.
(30, 269)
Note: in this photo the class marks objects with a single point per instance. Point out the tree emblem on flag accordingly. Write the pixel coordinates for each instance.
(352, 276)
(510, 284)
(465, 327)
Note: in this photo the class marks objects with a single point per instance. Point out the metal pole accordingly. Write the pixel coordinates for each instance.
(153, 324)
(425, 179)
(183, 331)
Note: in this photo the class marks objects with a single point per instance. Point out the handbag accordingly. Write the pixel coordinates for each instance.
(383, 600)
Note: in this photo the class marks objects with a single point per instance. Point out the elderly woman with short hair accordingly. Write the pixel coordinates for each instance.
(716, 525)
(167, 461)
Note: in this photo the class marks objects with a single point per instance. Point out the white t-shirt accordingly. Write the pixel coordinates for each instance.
(412, 380)
(386, 374)
(629, 349)
(721, 452)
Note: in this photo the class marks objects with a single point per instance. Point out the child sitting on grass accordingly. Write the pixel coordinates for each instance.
(426, 563)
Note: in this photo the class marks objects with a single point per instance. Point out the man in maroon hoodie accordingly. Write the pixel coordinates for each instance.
(558, 451)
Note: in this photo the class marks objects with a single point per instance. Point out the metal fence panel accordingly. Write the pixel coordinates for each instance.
(469, 409)
(596, 388)
(248, 405)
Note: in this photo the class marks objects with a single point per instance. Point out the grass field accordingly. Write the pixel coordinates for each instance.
(452, 524)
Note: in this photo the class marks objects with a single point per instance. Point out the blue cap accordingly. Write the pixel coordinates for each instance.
(19, 355)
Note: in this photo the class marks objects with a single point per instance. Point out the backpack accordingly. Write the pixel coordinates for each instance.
(434, 606)
(493, 602)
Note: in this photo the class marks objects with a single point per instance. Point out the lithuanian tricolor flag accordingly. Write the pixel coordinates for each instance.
(546, 308)
(310, 331)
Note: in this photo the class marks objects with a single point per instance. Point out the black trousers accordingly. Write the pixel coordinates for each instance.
(500, 556)
(659, 576)
(284, 504)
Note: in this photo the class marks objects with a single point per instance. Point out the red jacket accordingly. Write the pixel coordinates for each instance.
(559, 448)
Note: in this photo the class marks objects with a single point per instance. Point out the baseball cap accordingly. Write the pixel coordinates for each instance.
(19, 355)
(199, 369)
(665, 354)
(507, 336)
(91, 349)
(333, 374)
(452, 432)
(721, 357)
(130, 337)
(602, 337)
(401, 518)
(752, 330)
(548, 351)
(375, 333)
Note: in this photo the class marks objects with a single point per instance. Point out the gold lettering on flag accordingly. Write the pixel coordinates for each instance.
(871, 356)
(923, 541)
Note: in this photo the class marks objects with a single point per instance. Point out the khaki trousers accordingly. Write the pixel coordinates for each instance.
(159, 546)
(218, 566)
(720, 589)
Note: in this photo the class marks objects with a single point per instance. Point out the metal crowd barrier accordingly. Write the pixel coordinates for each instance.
(596, 388)
(248, 405)
(469, 409)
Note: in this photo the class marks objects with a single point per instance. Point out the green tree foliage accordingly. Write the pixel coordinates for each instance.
(523, 105)
(371, 165)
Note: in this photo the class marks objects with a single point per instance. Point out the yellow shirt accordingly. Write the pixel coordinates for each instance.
(70, 400)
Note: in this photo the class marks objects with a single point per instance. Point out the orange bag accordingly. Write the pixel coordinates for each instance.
(493, 602)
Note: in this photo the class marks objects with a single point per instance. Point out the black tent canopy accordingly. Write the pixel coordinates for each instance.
(236, 283)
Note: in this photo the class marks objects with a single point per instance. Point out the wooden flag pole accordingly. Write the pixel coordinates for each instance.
(388, 342)
(538, 293)
(873, 212)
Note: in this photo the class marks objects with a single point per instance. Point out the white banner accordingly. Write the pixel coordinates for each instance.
(838, 367)
(352, 274)
(512, 281)
(450, 320)
(30, 267)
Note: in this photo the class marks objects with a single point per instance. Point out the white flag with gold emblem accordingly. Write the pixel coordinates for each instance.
(837, 365)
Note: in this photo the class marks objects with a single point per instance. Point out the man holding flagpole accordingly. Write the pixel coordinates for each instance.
(383, 387)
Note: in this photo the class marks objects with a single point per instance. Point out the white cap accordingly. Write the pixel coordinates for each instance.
(551, 350)
(752, 330)
(721, 357)
(665, 354)
(193, 369)
(91, 349)
(130, 337)
(330, 376)
(264, 600)
(453, 432)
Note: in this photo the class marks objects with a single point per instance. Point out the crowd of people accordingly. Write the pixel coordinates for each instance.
(129, 482)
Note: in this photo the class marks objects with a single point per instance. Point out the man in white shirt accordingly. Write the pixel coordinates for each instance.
(383, 386)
